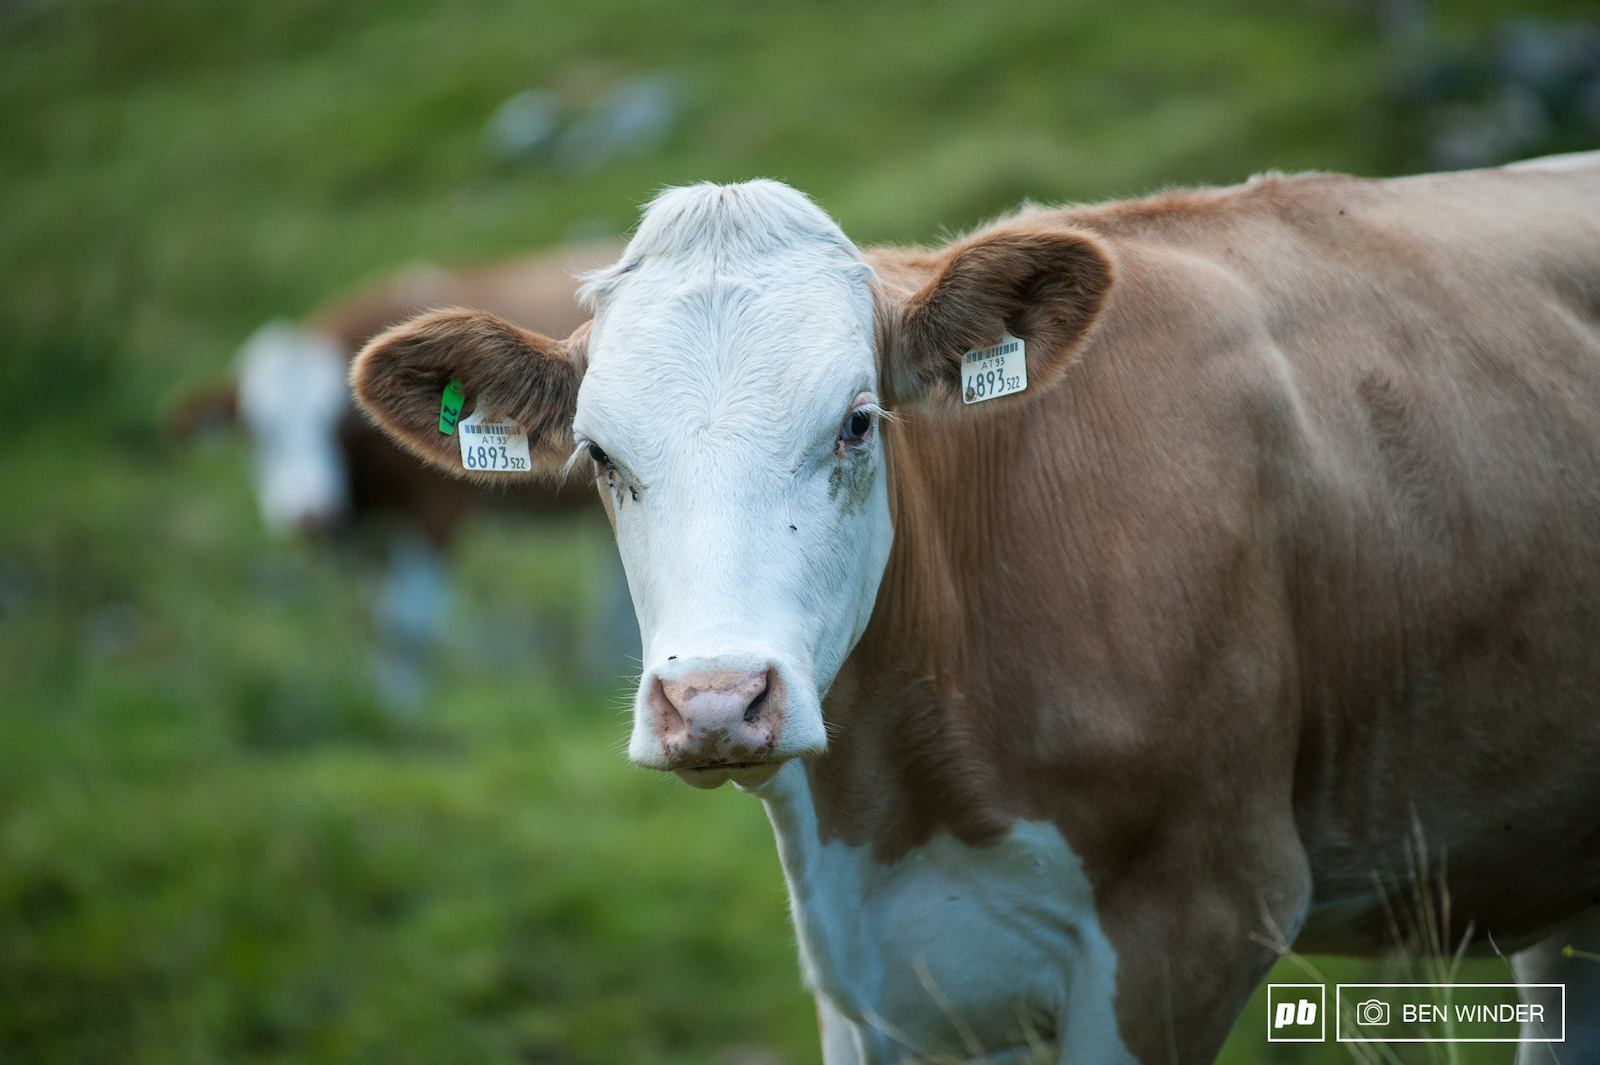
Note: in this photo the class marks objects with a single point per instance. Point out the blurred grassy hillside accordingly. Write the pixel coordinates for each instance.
(216, 842)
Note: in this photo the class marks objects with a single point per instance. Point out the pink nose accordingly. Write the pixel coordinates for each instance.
(723, 718)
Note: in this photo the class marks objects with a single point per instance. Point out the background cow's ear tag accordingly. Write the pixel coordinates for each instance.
(450, 408)
(992, 372)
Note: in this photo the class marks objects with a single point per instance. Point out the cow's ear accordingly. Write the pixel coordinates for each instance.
(1047, 287)
(401, 375)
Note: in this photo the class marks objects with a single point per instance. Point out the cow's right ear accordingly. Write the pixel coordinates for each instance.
(399, 378)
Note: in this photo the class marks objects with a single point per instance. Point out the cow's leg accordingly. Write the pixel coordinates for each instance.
(1547, 963)
(411, 615)
(841, 1043)
(1193, 924)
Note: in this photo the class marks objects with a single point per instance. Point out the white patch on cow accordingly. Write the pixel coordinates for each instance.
(990, 930)
(292, 394)
(729, 345)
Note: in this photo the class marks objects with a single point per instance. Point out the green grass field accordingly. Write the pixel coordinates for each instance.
(217, 844)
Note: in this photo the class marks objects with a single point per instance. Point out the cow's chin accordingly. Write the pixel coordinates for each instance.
(746, 775)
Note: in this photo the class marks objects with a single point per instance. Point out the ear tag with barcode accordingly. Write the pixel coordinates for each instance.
(492, 447)
(995, 371)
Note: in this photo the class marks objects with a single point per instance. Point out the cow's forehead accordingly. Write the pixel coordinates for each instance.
(788, 329)
(765, 370)
(754, 337)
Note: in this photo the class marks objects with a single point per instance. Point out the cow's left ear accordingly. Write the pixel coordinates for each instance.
(1047, 287)
(400, 377)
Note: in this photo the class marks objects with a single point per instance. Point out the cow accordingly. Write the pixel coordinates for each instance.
(319, 465)
(321, 468)
(1077, 694)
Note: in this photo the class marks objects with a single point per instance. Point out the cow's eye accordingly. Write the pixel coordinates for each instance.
(856, 427)
(597, 453)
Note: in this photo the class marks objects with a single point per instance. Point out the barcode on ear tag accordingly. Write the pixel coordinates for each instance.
(494, 447)
(991, 372)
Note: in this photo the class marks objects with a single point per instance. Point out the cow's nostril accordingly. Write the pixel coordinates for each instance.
(753, 711)
(668, 717)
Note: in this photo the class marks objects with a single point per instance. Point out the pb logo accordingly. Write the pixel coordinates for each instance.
(1296, 1013)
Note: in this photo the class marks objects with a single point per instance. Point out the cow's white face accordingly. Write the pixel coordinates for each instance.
(728, 392)
(292, 395)
(731, 405)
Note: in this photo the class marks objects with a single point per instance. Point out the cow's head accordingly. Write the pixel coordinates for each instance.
(732, 395)
(292, 395)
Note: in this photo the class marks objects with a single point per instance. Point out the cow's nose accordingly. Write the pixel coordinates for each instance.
(718, 719)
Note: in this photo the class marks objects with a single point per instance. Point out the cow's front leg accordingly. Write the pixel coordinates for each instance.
(841, 1042)
(1548, 962)
(1191, 925)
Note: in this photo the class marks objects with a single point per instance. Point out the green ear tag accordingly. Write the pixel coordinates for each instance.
(450, 409)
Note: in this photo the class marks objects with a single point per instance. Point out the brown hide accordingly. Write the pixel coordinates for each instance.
(1304, 546)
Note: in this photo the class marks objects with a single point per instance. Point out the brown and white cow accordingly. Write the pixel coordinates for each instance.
(321, 467)
(318, 462)
(1063, 704)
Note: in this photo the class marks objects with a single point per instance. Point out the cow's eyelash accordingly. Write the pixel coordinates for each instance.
(577, 453)
(591, 450)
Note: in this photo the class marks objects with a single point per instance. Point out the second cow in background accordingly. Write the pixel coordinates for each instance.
(319, 463)
(320, 467)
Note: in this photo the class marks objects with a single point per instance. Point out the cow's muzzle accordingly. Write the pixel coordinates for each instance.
(717, 725)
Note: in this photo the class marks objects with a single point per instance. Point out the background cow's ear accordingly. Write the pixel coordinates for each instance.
(1046, 286)
(399, 378)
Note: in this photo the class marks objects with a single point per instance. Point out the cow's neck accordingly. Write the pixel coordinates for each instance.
(913, 786)
(823, 889)
(904, 763)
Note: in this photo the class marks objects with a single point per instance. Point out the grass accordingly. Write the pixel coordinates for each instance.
(216, 843)
(217, 846)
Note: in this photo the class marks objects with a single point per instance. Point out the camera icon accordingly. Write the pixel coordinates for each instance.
(1372, 1012)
